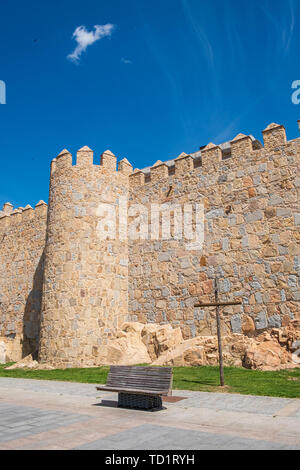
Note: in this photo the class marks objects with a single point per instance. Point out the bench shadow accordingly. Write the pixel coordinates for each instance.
(109, 403)
(114, 404)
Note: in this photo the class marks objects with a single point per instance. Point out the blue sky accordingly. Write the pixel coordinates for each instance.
(171, 75)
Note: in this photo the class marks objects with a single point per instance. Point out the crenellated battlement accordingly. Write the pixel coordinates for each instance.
(209, 159)
(10, 217)
(183, 164)
(274, 136)
(125, 167)
(85, 159)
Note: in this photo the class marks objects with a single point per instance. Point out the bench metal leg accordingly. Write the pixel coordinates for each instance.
(141, 402)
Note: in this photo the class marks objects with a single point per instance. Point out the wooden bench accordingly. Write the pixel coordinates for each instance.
(139, 387)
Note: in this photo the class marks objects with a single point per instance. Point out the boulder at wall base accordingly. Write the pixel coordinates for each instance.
(203, 350)
(194, 356)
(138, 343)
(286, 336)
(29, 362)
(35, 365)
(132, 327)
(158, 339)
(2, 352)
(189, 352)
(234, 348)
(267, 355)
(125, 350)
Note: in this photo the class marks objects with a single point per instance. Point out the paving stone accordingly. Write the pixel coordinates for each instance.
(231, 418)
(26, 421)
(161, 437)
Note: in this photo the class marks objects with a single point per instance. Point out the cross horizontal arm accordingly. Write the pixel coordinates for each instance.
(218, 304)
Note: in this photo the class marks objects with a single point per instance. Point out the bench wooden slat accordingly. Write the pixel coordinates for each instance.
(146, 382)
(132, 390)
(130, 377)
(149, 377)
(145, 370)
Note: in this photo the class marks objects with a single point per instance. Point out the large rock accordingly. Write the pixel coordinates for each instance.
(10, 350)
(187, 353)
(2, 352)
(286, 336)
(160, 338)
(133, 327)
(128, 349)
(267, 355)
(29, 362)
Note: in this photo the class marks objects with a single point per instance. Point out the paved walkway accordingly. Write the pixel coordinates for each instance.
(44, 414)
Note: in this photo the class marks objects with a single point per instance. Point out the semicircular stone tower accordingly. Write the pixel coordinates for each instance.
(86, 276)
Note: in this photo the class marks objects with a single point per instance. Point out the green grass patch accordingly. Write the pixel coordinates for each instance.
(284, 383)
(85, 375)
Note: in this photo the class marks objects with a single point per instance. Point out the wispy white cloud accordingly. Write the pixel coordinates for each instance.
(227, 133)
(85, 38)
(126, 61)
(199, 32)
(287, 38)
(284, 26)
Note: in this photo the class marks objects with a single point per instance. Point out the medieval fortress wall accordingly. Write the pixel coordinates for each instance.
(22, 244)
(251, 243)
(66, 291)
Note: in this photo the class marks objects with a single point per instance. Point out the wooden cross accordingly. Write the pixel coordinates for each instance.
(218, 304)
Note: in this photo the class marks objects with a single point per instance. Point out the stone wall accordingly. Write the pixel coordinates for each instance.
(70, 295)
(252, 239)
(22, 243)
